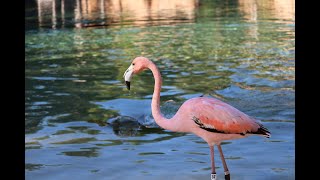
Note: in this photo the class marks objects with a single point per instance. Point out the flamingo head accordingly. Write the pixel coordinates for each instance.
(138, 64)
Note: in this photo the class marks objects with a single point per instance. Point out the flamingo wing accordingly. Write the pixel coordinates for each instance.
(216, 116)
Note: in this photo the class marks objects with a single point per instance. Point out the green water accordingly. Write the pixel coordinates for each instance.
(82, 123)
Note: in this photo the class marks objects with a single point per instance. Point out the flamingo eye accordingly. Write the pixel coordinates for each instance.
(133, 64)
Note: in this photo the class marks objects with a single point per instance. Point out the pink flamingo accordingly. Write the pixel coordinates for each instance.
(211, 119)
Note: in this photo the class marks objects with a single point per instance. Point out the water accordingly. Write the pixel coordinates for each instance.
(82, 123)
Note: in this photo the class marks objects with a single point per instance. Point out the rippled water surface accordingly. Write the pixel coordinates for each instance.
(82, 123)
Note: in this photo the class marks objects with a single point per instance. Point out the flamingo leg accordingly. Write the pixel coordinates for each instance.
(226, 171)
(213, 168)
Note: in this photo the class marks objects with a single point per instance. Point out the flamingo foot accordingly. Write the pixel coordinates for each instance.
(227, 175)
(214, 176)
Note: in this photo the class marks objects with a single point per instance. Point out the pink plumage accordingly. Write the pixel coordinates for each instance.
(207, 117)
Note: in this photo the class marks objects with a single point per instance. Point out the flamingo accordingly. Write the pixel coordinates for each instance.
(209, 118)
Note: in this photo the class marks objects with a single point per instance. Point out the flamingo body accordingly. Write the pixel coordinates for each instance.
(215, 121)
(207, 117)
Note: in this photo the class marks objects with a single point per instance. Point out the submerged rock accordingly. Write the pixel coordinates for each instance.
(125, 126)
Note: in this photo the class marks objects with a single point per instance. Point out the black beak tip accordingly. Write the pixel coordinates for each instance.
(128, 85)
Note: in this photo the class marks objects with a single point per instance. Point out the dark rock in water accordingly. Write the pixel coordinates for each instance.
(125, 126)
(129, 126)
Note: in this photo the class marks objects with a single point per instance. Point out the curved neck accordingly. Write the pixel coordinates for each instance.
(155, 104)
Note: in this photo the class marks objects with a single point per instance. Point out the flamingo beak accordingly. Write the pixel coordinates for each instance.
(128, 85)
(128, 75)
